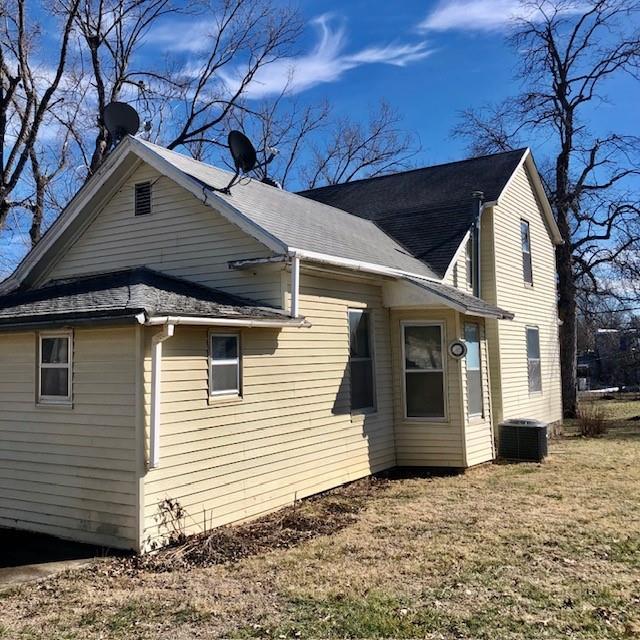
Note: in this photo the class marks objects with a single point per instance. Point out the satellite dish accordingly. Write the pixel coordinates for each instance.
(243, 153)
(121, 119)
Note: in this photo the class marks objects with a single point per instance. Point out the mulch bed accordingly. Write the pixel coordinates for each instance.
(323, 514)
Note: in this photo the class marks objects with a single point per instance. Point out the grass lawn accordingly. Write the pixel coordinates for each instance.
(504, 551)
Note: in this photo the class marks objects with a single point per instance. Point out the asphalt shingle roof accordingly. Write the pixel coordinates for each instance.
(300, 222)
(124, 294)
(465, 301)
(429, 210)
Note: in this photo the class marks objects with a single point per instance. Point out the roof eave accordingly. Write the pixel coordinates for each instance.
(275, 323)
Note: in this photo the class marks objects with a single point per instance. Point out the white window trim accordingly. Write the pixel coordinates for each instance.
(56, 400)
(536, 392)
(237, 361)
(373, 410)
(443, 342)
(480, 414)
(468, 263)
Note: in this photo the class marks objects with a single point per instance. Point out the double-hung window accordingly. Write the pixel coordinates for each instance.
(423, 370)
(474, 370)
(533, 359)
(527, 267)
(55, 367)
(224, 364)
(361, 366)
(468, 258)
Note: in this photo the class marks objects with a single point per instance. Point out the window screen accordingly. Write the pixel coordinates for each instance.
(533, 359)
(423, 371)
(143, 199)
(55, 368)
(224, 370)
(527, 267)
(474, 370)
(361, 361)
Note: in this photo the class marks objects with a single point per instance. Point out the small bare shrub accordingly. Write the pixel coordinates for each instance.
(592, 419)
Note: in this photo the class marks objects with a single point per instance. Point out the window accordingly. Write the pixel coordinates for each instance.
(526, 252)
(533, 359)
(468, 255)
(423, 371)
(474, 371)
(224, 364)
(143, 199)
(361, 361)
(55, 368)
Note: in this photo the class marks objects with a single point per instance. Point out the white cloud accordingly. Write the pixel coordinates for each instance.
(486, 15)
(182, 37)
(326, 62)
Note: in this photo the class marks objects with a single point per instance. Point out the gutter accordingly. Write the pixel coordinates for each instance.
(227, 322)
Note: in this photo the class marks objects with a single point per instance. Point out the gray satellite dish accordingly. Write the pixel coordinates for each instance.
(243, 153)
(121, 120)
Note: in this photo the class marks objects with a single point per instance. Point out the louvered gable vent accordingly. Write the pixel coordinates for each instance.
(143, 199)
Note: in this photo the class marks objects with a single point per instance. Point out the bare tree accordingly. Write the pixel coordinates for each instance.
(356, 150)
(28, 93)
(569, 52)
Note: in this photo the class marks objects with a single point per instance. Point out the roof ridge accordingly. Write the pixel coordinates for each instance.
(415, 170)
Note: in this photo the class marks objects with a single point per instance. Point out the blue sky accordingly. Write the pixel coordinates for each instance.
(428, 59)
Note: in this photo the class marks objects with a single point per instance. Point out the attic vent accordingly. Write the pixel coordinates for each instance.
(143, 199)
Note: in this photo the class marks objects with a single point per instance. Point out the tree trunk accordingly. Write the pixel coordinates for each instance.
(568, 329)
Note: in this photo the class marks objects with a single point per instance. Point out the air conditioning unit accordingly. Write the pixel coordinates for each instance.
(523, 439)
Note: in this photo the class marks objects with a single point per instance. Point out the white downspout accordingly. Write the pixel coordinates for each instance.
(295, 286)
(156, 392)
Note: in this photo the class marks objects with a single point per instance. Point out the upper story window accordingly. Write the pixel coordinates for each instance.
(527, 267)
(363, 396)
(533, 359)
(224, 364)
(423, 361)
(55, 367)
(468, 256)
(143, 198)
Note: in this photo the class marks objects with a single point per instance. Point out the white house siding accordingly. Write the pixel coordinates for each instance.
(181, 237)
(532, 305)
(71, 471)
(290, 435)
(479, 442)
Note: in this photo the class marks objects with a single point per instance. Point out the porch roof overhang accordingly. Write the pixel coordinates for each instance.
(411, 292)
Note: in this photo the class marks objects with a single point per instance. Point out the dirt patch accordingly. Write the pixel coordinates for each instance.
(323, 514)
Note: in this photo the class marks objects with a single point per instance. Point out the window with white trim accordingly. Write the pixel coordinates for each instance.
(468, 258)
(55, 367)
(533, 359)
(361, 367)
(527, 267)
(224, 364)
(423, 363)
(474, 369)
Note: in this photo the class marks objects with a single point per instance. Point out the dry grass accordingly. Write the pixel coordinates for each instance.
(505, 551)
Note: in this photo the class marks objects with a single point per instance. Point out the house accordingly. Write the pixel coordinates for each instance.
(235, 351)
(614, 361)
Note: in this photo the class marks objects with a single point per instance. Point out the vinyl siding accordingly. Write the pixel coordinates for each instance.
(291, 434)
(479, 445)
(71, 471)
(428, 443)
(181, 237)
(532, 305)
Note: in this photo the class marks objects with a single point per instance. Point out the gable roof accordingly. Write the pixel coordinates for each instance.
(285, 222)
(429, 210)
(125, 295)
